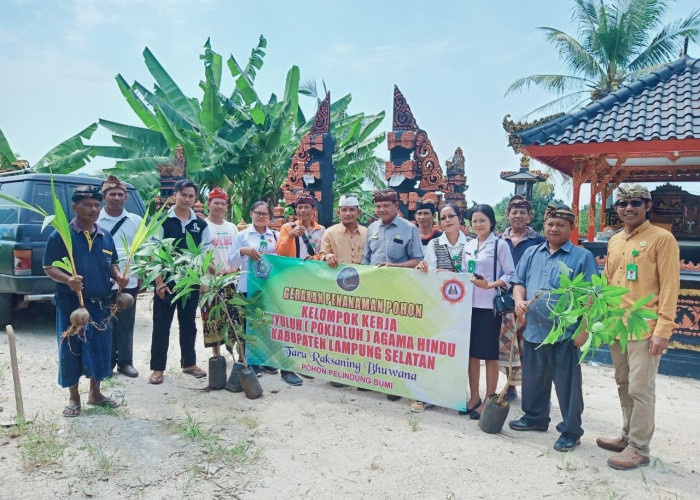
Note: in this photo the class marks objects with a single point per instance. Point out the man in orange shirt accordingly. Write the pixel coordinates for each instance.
(645, 259)
(301, 238)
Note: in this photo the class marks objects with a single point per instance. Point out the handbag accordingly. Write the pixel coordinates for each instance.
(503, 301)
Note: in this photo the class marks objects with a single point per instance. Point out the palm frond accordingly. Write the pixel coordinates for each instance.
(556, 83)
(577, 57)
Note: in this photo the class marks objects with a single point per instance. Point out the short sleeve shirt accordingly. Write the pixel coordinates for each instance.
(539, 270)
(93, 254)
(397, 242)
(222, 236)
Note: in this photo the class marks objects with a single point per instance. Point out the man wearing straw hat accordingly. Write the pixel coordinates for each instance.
(95, 256)
(645, 259)
(556, 363)
(122, 225)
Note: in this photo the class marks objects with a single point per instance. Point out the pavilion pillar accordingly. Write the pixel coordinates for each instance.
(575, 203)
(591, 210)
(603, 206)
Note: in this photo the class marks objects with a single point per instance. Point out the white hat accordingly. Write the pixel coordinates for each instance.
(348, 201)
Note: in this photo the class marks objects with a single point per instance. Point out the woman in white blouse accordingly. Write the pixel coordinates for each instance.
(489, 272)
(443, 253)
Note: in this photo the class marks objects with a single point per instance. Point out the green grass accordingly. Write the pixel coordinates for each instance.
(103, 462)
(192, 429)
(40, 443)
(413, 422)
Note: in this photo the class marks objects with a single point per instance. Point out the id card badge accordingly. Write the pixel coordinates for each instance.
(471, 266)
(263, 246)
(456, 264)
(632, 272)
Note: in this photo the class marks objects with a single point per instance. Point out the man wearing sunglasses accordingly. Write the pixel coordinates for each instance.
(645, 259)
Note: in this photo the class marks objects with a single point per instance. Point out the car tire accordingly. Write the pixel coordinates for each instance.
(5, 309)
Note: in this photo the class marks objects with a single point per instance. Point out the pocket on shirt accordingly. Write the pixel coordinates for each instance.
(396, 251)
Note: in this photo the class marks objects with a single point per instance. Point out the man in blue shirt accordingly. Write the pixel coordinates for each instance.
(391, 241)
(95, 257)
(539, 270)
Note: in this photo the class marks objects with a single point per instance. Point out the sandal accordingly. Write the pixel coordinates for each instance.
(72, 410)
(156, 378)
(105, 403)
(195, 371)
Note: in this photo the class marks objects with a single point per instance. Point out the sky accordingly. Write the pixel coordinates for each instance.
(453, 61)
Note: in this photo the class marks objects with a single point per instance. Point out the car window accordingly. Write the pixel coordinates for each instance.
(132, 204)
(8, 211)
(40, 196)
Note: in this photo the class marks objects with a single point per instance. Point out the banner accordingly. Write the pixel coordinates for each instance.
(388, 329)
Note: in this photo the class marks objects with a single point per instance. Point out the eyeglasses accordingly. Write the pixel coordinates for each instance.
(633, 203)
(262, 215)
(450, 216)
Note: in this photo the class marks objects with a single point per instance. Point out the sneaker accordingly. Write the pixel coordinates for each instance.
(393, 397)
(338, 384)
(257, 370)
(269, 369)
(291, 378)
(419, 406)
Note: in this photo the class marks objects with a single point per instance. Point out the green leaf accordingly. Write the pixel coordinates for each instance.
(69, 155)
(5, 148)
(176, 98)
(135, 103)
(64, 264)
(642, 302)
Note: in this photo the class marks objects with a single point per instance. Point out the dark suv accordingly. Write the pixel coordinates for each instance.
(22, 242)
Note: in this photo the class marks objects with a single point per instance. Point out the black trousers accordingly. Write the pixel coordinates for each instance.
(543, 365)
(123, 333)
(163, 312)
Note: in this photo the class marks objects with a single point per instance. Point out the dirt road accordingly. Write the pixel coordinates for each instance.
(178, 441)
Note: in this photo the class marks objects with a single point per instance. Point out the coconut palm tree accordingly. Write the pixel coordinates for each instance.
(618, 41)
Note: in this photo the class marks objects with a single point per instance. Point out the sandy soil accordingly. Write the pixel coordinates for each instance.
(315, 441)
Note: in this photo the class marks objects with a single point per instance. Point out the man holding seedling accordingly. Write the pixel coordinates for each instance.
(645, 259)
(543, 364)
(94, 255)
(180, 221)
(122, 225)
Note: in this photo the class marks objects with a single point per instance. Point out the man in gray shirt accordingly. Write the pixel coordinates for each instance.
(391, 241)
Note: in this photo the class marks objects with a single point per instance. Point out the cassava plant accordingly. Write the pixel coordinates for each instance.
(594, 305)
(80, 317)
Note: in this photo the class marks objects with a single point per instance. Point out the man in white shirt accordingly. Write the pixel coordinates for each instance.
(222, 235)
(120, 224)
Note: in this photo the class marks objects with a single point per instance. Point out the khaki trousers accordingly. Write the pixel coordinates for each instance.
(635, 374)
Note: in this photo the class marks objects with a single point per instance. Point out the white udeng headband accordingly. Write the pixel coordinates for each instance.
(348, 201)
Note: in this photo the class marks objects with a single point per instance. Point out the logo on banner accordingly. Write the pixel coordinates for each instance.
(453, 291)
(262, 269)
(348, 279)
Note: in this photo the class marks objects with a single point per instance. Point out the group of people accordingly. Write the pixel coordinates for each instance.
(641, 257)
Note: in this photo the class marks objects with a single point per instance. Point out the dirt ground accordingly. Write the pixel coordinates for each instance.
(178, 441)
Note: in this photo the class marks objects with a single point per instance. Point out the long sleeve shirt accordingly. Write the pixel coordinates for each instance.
(658, 271)
(483, 260)
(295, 247)
(348, 246)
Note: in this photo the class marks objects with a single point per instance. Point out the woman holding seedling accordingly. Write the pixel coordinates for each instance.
(83, 299)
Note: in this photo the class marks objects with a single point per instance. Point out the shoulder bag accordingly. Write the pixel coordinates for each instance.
(503, 301)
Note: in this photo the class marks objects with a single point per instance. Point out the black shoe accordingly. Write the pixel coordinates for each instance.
(363, 389)
(270, 369)
(470, 410)
(291, 378)
(524, 425)
(128, 370)
(566, 443)
(257, 370)
(393, 397)
(338, 384)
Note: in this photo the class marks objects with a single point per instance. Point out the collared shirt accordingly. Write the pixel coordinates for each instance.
(191, 222)
(346, 245)
(530, 239)
(483, 258)
(290, 248)
(539, 270)
(397, 242)
(128, 228)
(94, 254)
(222, 236)
(453, 250)
(658, 272)
(250, 237)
